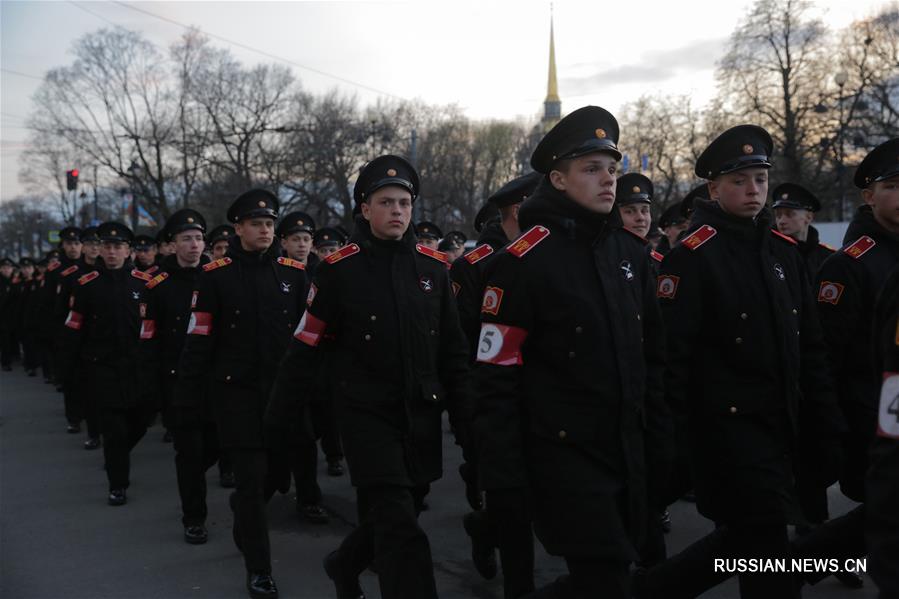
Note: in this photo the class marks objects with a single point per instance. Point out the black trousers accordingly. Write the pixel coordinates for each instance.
(122, 428)
(196, 449)
(31, 357)
(508, 521)
(389, 536)
(255, 485)
(324, 423)
(8, 348)
(840, 538)
(304, 466)
(73, 397)
(692, 571)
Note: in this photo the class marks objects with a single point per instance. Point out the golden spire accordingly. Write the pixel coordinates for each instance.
(552, 87)
(552, 105)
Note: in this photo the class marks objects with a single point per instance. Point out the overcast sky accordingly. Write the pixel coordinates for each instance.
(489, 57)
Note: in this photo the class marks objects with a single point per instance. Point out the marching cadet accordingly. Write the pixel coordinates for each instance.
(673, 224)
(61, 279)
(23, 315)
(326, 241)
(41, 326)
(169, 296)
(295, 233)
(103, 328)
(429, 234)
(88, 408)
(400, 360)
(570, 360)
(451, 247)
(509, 530)
(243, 311)
(794, 210)
(218, 241)
(145, 254)
(882, 484)
(164, 246)
(760, 403)
(633, 197)
(7, 298)
(847, 287)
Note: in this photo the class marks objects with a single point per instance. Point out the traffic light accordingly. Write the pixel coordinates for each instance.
(72, 179)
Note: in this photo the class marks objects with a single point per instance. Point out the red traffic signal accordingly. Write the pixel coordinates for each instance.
(72, 179)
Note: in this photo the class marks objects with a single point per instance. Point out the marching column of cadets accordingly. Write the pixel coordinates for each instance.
(596, 367)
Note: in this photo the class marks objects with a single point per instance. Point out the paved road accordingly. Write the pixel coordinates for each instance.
(58, 538)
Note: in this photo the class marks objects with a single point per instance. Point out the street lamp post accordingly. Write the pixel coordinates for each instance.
(840, 79)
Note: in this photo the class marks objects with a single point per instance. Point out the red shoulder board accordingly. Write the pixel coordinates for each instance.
(479, 253)
(860, 246)
(784, 237)
(827, 247)
(700, 236)
(344, 252)
(528, 241)
(88, 277)
(291, 263)
(656, 256)
(637, 235)
(157, 280)
(217, 264)
(53, 266)
(137, 274)
(439, 256)
(69, 270)
(152, 269)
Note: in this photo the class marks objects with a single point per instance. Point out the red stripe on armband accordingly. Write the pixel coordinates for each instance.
(147, 329)
(74, 320)
(501, 344)
(310, 329)
(200, 324)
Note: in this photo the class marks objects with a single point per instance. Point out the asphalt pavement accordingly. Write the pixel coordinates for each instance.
(58, 538)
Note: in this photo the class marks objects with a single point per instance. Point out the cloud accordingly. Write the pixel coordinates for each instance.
(654, 67)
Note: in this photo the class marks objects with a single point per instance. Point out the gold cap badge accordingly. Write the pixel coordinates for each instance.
(391, 172)
(600, 133)
(636, 189)
(747, 149)
(261, 204)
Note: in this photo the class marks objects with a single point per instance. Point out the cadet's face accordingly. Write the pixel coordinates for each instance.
(453, 254)
(90, 249)
(189, 246)
(883, 198)
(72, 249)
(114, 253)
(323, 251)
(589, 181)
(167, 248)
(741, 193)
(297, 246)
(219, 249)
(793, 221)
(636, 217)
(6, 270)
(429, 243)
(145, 256)
(28, 271)
(389, 212)
(672, 232)
(256, 234)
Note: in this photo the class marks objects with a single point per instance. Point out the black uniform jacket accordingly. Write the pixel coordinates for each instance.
(883, 476)
(814, 253)
(847, 287)
(169, 294)
(468, 280)
(384, 313)
(243, 311)
(747, 373)
(101, 334)
(570, 362)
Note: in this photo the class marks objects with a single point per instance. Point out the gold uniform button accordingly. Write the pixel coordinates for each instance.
(173, 372)
(738, 340)
(744, 315)
(285, 311)
(571, 354)
(795, 312)
(639, 317)
(233, 326)
(578, 330)
(733, 409)
(373, 317)
(177, 318)
(562, 434)
(367, 337)
(228, 378)
(237, 311)
(434, 396)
